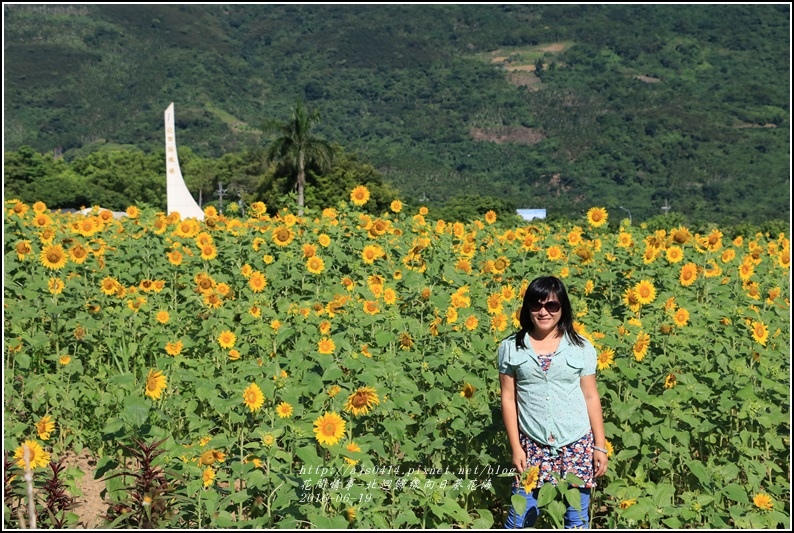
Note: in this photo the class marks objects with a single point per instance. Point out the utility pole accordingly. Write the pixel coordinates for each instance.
(666, 207)
(221, 192)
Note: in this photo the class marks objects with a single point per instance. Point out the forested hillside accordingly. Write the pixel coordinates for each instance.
(560, 107)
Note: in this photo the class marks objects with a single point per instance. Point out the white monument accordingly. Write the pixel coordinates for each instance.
(179, 197)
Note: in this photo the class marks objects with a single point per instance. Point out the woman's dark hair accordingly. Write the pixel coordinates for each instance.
(540, 289)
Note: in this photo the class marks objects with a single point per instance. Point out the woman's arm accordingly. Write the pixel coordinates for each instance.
(593, 401)
(510, 417)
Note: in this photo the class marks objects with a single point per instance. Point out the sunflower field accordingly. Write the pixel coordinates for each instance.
(338, 370)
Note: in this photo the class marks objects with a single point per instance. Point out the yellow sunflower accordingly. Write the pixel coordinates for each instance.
(471, 323)
(389, 296)
(55, 285)
(371, 253)
(529, 478)
(209, 252)
(597, 217)
(174, 257)
(688, 274)
(156, 383)
(728, 255)
(499, 322)
(670, 381)
(309, 250)
(371, 307)
(36, 455)
(211, 456)
(606, 359)
(360, 402)
(226, 339)
(208, 476)
(763, 501)
(329, 428)
(396, 206)
(760, 332)
(713, 271)
(609, 447)
(641, 346)
(53, 257)
(283, 236)
(360, 195)
(257, 281)
(253, 397)
(173, 348)
(284, 410)
(500, 265)
(326, 346)
(23, 249)
(494, 303)
(45, 426)
(646, 292)
(468, 390)
(674, 254)
(78, 254)
(631, 299)
(315, 265)
(212, 300)
(784, 258)
(746, 270)
(554, 253)
(625, 504)
(681, 317)
(490, 217)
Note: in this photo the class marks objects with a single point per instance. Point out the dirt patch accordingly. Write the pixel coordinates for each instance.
(647, 79)
(748, 125)
(555, 47)
(523, 79)
(508, 134)
(90, 504)
(527, 68)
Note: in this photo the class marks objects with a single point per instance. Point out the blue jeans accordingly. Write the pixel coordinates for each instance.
(573, 518)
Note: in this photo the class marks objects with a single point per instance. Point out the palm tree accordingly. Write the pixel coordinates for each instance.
(297, 148)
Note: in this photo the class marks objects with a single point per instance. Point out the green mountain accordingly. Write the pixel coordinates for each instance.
(560, 107)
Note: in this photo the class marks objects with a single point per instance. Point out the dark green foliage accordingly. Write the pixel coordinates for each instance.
(469, 207)
(649, 105)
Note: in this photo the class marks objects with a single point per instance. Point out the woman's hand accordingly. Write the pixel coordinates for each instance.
(519, 462)
(599, 463)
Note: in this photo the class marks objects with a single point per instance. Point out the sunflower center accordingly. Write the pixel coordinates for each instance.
(329, 428)
(360, 399)
(53, 257)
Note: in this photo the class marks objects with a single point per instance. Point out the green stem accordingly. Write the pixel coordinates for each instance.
(242, 458)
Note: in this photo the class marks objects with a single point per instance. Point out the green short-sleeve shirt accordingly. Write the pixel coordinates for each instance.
(551, 406)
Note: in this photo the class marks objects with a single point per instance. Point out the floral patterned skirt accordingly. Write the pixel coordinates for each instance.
(575, 458)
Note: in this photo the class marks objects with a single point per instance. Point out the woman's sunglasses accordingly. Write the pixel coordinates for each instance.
(551, 306)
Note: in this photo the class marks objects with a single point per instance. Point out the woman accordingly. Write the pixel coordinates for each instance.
(550, 403)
